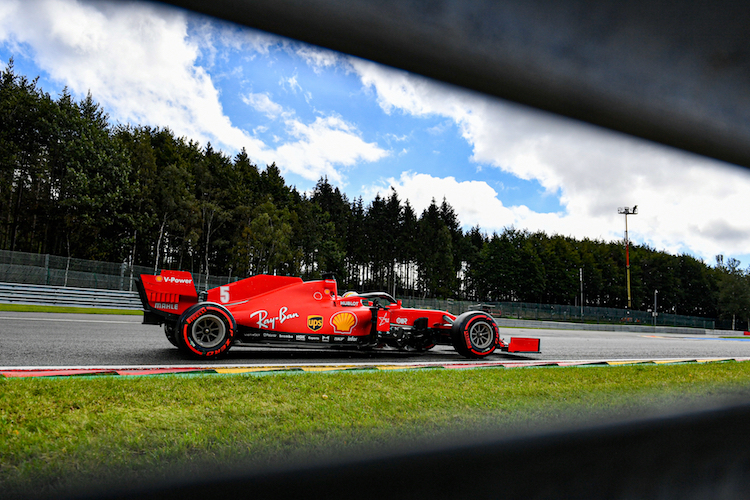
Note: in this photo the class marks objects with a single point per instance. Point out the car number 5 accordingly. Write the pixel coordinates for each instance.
(224, 294)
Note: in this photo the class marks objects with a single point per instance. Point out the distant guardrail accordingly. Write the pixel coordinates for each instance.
(17, 293)
(561, 325)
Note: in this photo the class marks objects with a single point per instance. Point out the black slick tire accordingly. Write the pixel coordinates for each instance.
(170, 331)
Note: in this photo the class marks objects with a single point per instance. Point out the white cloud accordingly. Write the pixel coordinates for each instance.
(317, 149)
(7, 9)
(291, 83)
(251, 41)
(396, 138)
(475, 202)
(440, 128)
(213, 35)
(263, 104)
(687, 203)
(322, 144)
(319, 59)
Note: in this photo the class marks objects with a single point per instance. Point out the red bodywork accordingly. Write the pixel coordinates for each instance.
(280, 308)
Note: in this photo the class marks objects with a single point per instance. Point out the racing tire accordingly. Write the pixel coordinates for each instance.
(475, 335)
(170, 331)
(206, 330)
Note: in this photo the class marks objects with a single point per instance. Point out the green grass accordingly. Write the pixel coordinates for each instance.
(64, 309)
(57, 434)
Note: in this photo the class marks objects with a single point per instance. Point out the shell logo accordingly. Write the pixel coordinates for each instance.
(159, 279)
(343, 322)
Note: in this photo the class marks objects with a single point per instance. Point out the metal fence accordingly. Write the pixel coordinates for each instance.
(550, 312)
(50, 270)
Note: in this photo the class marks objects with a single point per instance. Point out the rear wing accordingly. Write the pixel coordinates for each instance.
(166, 296)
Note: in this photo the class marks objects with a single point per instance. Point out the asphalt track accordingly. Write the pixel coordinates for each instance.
(40, 340)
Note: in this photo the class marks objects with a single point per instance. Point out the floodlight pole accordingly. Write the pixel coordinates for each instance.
(627, 211)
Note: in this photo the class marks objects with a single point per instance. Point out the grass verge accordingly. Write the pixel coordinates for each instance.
(58, 434)
(64, 309)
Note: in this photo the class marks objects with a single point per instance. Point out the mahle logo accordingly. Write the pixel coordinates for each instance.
(315, 323)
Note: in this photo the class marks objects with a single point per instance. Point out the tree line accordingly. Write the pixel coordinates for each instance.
(73, 184)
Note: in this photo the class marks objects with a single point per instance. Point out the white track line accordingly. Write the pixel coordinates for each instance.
(60, 320)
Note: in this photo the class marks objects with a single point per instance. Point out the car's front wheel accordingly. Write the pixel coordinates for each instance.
(207, 330)
(474, 334)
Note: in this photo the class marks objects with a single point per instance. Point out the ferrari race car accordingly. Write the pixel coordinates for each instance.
(283, 309)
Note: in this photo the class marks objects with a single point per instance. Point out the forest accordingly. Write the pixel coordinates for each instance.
(73, 184)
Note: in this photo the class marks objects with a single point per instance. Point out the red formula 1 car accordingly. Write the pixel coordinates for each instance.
(282, 309)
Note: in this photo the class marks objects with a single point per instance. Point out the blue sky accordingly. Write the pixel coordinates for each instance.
(368, 127)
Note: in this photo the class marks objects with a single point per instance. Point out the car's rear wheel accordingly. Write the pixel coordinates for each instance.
(207, 330)
(474, 335)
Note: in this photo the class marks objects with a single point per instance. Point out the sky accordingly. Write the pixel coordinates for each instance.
(369, 128)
